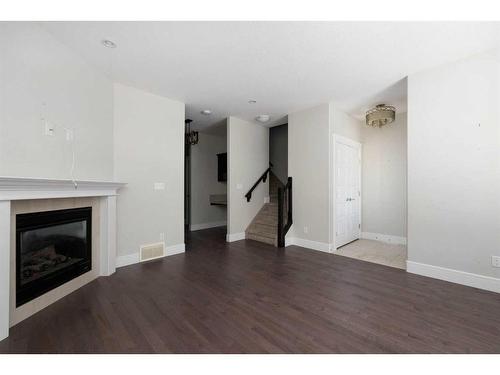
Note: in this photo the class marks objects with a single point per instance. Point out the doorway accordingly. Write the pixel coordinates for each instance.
(347, 190)
(369, 194)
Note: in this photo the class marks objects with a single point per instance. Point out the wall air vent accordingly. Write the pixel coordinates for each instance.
(152, 251)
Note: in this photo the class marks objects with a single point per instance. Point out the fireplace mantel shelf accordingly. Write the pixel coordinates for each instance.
(16, 188)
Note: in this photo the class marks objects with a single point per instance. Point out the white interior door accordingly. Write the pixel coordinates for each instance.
(347, 191)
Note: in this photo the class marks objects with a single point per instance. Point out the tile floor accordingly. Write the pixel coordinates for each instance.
(376, 252)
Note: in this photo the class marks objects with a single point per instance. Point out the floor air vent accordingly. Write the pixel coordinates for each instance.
(153, 251)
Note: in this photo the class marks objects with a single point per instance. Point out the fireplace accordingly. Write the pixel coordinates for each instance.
(52, 247)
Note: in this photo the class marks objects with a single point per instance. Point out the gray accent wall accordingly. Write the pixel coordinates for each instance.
(278, 151)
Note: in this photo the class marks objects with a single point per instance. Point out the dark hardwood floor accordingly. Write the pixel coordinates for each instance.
(247, 297)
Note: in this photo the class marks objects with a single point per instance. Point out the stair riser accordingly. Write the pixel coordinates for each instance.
(267, 230)
(261, 239)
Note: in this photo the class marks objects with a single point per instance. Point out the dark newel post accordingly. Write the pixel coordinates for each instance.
(280, 218)
(289, 201)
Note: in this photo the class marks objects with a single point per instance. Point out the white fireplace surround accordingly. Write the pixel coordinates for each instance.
(21, 188)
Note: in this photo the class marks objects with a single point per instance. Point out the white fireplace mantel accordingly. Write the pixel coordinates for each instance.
(22, 188)
(17, 188)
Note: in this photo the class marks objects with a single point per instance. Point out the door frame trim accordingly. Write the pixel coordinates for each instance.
(337, 138)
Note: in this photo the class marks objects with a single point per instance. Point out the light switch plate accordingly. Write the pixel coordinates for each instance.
(159, 186)
(495, 261)
(49, 128)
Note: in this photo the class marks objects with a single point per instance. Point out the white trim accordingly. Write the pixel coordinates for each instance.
(308, 244)
(107, 237)
(175, 249)
(337, 138)
(5, 210)
(126, 260)
(195, 227)
(235, 237)
(17, 188)
(454, 276)
(384, 238)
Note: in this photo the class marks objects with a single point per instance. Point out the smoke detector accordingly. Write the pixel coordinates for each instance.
(206, 112)
(108, 43)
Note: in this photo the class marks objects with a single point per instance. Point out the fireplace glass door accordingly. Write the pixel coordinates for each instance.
(52, 247)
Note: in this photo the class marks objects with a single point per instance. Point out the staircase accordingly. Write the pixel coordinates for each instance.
(264, 227)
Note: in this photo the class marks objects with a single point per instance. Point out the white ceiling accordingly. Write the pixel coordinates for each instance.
(285, 66)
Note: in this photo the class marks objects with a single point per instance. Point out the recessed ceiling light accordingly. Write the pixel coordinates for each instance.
(206, 112)
(108, 43)
(251, 101)
(263, 118)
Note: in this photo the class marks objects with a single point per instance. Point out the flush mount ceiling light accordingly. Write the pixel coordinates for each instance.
(206, 112)
(263, 118)
(380, 115)
(251, 101)
(108, 43)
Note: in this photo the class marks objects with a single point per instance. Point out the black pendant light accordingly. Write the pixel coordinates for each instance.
(191, 136)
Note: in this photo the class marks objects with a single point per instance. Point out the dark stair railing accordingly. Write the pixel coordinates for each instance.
(262, 178)
(284, 206)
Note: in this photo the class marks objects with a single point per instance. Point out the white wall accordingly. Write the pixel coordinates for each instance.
(36, 69)
(204, 181)
(384, 178)
(148, 148)
(454, 171)
(345, 125)
(248, 158)
(309, 166)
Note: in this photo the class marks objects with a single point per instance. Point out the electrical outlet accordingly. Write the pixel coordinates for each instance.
(306, 229)
(69, 135)
(495, 261)
(162, 236)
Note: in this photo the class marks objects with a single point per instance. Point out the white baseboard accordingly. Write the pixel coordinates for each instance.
(308, 244)
(454, 276)
(215, 224)
(384, 238)
(126, 260)
(235, 237)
